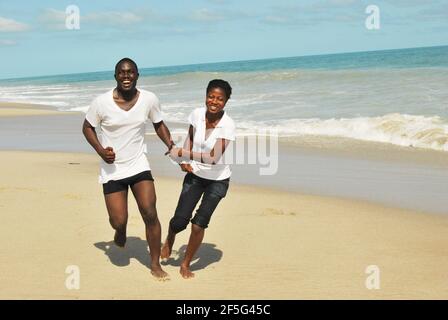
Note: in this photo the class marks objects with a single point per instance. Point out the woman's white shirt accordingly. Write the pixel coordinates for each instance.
(225, 129)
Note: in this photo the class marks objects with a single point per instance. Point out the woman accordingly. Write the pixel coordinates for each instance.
(209, 134)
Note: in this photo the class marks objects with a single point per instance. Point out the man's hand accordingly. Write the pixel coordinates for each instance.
(186, 167)
(174, 153)
(108, 155)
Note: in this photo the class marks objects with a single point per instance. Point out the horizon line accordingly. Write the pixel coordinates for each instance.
(218, 62)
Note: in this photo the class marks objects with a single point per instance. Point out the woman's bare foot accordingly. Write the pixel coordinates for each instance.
(167, 247)
(120, 238)
(158, 272)
(185, 272)
(165, 253)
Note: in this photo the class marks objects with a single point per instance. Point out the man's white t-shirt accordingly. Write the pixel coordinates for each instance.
(124, 131)
(225, 129)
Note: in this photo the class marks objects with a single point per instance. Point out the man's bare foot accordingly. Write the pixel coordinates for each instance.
(157, 272)
(185, 272)
(165, 253)
(120, 239)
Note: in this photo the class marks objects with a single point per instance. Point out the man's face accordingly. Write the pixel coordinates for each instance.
(126, 76)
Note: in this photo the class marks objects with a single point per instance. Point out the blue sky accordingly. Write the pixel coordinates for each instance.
(34, 40)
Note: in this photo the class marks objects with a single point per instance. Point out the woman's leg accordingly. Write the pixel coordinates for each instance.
(196, 237)
(213, 194)
(192, 190)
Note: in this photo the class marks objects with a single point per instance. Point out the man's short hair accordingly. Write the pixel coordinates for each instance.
(126, 60)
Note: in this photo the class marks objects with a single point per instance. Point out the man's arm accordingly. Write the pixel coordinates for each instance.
(164, 134)
(107, 154)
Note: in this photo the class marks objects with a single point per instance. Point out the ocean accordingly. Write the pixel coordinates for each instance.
(393, 96)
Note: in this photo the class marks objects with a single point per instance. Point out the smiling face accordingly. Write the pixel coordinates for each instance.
(126, 75)
(215, 100)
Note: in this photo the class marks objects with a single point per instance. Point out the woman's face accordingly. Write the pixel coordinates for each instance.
(215, 100)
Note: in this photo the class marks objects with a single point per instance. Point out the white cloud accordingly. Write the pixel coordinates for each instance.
(342, 2)
(9, 25)
(277, 19)
(205, 15)
(7, 43)
(55, 19)
(221, 2)
(114, 18)
(410, 3)
(435, 14)
(346, 12)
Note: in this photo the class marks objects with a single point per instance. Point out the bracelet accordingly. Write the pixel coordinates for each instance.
(171, 146)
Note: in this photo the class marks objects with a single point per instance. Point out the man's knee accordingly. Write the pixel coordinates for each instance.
(118, 224)
(149, 214)
(178, 224)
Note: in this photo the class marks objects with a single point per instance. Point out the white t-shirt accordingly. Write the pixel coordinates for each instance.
(225, 129)
(124, 131)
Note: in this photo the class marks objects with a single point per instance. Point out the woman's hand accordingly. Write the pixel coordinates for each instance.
(107, 154)
(186, 167)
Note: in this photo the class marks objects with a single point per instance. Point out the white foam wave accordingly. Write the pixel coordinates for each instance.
(79, 109)
(399, 129)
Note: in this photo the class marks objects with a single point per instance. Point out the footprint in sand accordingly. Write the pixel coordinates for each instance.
(72, 196)
(278, 212)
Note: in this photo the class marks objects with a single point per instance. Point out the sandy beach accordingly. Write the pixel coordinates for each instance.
(263, 243)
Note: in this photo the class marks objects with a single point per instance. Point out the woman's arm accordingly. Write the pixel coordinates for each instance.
(188, 143)
(211, 158)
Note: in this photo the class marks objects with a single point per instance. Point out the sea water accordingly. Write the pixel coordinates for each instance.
(394, 96)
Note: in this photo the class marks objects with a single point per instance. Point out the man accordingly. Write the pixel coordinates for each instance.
(121, 115)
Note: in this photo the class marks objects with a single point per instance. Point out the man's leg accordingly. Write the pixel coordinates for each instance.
(145, 195)
(117, 208)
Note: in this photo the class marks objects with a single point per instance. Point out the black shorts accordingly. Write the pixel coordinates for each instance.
(123, 184)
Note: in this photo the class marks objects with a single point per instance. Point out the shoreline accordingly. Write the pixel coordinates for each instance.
(324, 145)
(374, 172)
(340, 146)
(14, 109)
